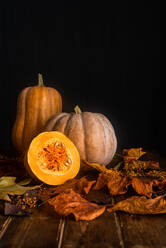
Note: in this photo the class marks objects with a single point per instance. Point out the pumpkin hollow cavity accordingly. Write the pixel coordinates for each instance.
(54, 157)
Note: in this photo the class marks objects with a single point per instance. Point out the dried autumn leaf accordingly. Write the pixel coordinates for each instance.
(98, 167)
(116, 183)
(140, 165)
(142, 175)
(102, 181)
(8, 186)
(141, 205)
(119, 185)
(114, 179)
(132, 153)
(81, 186)
(158, 174)
(72, 203)
(144, 185)
(159, 177)
(161, 184)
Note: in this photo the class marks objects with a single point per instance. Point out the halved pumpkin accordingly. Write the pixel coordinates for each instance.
(52, 158)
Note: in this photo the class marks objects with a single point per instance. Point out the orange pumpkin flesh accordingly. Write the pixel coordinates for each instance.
(52, 158)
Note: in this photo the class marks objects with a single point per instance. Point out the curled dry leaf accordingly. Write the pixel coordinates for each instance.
(132, 153)
(140, 166)
(116, 183)
(119, 185)
(81, 186)
(115, 180)
(141, 205)
(98, 167)
(143, 176)
(144, 186)
(157, 174)
(71, 202)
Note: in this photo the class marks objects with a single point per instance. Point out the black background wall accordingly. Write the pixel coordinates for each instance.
(103, 58)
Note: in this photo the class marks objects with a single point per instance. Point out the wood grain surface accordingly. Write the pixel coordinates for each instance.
(44, 228)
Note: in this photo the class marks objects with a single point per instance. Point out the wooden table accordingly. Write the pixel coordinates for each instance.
(44, 228)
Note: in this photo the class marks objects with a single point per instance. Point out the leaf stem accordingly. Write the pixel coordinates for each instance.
(117, 167)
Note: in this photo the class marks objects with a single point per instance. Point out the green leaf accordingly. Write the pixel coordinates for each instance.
(7, 181)
(8, 186)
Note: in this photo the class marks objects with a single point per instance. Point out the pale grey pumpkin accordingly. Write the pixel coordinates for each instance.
(92, 133)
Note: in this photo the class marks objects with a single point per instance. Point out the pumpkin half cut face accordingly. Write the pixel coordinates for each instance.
(52, 158)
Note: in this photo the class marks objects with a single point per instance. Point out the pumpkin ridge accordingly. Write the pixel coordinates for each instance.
(66, 129)
(25, 104)
(111, 130)
(84, 134)
(105, 136)
(20, 120)
(52, 121)
(60, 119)
(27, 122)
(59, 103)
(50, 99)
(52, 102)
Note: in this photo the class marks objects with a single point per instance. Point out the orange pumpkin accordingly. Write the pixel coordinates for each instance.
(34, 107)
(92, 134)
(52, 158)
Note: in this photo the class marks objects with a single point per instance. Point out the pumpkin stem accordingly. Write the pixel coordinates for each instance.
(40, 80)
(77, 110)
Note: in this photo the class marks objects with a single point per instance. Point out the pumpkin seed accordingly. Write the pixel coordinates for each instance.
(57, 143)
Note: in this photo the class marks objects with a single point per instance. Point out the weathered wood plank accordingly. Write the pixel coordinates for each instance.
(111, 230)
(143, 231)
(100, 232)
(4, 224)
(4, 220)
(41, 229)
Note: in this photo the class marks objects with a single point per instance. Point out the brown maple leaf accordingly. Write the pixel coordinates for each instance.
(141, 205)
(71, 202)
